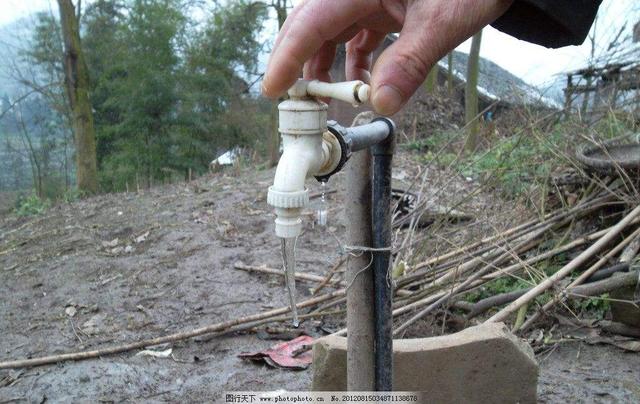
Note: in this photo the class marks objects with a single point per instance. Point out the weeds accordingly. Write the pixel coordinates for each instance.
(31, 205)
(496, 287)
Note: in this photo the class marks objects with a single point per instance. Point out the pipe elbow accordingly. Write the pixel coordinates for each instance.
(302, 157)
(296, 164)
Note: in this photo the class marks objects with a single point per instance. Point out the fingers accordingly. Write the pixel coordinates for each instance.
(359, 50)
(319, 65)
(316, 22)
(404, 65)
(430, 30)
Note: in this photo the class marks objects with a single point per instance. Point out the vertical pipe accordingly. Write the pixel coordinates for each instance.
(381, 229)
(360, 321)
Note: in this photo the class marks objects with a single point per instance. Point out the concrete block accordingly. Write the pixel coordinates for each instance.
(482, 364)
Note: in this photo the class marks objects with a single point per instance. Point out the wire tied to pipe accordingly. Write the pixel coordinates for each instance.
(358, 251)
(354, 249)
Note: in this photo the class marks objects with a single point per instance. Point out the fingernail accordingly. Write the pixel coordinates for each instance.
(387, 100)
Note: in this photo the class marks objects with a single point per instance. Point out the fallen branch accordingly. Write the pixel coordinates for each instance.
(225, 326)
(582, 278)
(526, 244)
(605, 285)
(327, 279)
(490, 302)
(619, 328)
(272, 271)
(516, 232)
(567, 269)
(587, 290)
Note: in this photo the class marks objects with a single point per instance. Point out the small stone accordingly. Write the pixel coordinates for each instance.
(142, 237)
(71, 311)
(110, 244)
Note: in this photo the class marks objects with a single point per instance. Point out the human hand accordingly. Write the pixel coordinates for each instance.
(429, 29)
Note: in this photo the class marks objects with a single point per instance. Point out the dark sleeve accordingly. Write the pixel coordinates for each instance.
(550, 23)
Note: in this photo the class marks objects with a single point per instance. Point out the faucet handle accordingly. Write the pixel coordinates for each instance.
(354, 92)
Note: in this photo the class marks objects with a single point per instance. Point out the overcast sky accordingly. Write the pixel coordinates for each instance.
(534, 64)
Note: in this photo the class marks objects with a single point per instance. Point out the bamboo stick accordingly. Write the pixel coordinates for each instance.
(272, 271)
(507, 236)
(254, 319)
(567, 269)
(583, 277)
(526, 244)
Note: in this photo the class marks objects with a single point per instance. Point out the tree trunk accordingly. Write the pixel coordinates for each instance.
(471, 95)
(431, 83)
(76, 77)
(450, 73)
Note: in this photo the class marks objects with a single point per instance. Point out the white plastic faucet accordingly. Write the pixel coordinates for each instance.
(308, 149)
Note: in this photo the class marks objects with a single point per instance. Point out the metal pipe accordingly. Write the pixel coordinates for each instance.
(363, 136)
(381, 228)
(360, 320)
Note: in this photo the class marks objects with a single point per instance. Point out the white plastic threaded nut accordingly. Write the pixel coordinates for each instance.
(279, 199)
(288, 223)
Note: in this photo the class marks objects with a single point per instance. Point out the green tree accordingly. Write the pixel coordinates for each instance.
(219, 110)
(138, 93)
(105, 44)
(167, 93)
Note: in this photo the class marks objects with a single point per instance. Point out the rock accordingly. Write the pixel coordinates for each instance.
(484, 364)
(94, 325)
(110, 244)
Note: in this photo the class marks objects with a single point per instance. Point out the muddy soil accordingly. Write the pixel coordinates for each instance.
(121, 267)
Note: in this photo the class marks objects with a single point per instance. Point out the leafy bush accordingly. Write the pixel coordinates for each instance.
(596, 306)
(31, 205)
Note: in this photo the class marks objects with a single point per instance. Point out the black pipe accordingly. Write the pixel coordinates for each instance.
(363, 136)
(381, 239)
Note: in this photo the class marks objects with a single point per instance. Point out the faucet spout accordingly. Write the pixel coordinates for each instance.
(302, 156)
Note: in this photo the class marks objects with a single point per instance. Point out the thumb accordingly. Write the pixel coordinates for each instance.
(402, 68)
(431, 29)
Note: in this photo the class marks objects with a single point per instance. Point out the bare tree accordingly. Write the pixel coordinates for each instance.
(450, 73)
(281, 9)
(471, 94)
(431, 83)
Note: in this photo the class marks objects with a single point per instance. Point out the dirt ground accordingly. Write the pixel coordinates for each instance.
(121, 267)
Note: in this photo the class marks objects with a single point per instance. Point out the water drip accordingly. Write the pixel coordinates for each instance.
(322, 211)
(289, 262)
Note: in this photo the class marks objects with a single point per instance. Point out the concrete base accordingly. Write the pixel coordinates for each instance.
(483, 364)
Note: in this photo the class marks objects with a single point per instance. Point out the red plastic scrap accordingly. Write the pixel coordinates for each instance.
(295, 354)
